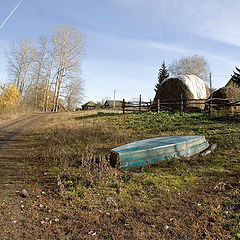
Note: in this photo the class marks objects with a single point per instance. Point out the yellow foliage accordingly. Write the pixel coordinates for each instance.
(9, 96)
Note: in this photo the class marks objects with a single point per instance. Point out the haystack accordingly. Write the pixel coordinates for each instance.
(190, 88)
(223, 97)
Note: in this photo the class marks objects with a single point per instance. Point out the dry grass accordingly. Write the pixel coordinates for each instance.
(14, 113)
(195, 198)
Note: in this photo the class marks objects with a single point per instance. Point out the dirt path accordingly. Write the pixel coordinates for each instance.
(12, 144)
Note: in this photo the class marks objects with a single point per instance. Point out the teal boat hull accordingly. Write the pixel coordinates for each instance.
(150, 151)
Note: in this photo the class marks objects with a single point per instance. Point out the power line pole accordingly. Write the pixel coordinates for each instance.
(114, 98)
(210, 78)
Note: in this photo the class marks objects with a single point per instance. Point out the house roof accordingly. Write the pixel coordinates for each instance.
(90, 104)
(118, 103)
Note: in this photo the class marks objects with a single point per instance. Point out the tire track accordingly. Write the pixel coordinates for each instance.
(11, 134)
(12, 123)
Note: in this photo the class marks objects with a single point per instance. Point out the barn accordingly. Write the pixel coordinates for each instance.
(189, 88)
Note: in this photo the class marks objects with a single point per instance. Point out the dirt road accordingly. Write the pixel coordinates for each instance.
(12, 175)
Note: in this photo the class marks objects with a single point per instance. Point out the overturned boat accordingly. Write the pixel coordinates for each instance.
(150, 151)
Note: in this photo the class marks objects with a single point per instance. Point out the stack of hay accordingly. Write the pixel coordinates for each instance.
(224, 96)
(190, 88)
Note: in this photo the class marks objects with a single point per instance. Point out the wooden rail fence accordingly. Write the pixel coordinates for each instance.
(182, 105)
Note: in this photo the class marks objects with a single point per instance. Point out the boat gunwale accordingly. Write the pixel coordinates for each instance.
(187, 143)
(195, 152)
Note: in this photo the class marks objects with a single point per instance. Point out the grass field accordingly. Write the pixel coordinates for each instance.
(193, 198)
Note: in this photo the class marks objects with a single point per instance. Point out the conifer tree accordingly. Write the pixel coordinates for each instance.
(236, 77)
(162, 75)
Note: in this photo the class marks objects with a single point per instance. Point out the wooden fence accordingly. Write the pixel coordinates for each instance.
(216, 105)
(136, 106)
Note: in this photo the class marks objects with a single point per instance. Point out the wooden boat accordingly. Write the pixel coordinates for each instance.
(149, 151)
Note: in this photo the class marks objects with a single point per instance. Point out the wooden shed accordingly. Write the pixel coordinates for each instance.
(89, 106)
(111, 104)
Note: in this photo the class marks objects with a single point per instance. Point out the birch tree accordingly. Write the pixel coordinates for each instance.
(40, 61)
(49, 71)
(52, 52)
(73, 91)
(70, 44)
(20, 57)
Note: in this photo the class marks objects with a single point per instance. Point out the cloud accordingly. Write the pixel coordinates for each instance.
(169, 47)
(159, 48)
(213, 19)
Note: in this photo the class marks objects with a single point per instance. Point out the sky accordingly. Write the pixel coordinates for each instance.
(127, 40)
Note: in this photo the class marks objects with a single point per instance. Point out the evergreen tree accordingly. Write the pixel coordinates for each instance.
(236, 77)
(162, 75)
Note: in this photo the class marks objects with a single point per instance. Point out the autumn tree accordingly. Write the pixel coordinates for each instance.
(9, 96)
(194, 65)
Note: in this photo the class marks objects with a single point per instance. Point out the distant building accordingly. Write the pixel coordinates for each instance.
(89, 106)
(110, 104)
(233, 83)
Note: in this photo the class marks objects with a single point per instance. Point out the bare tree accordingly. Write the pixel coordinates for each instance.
(196, 65)
(52, 52)
(20, 57)
(39, 69)
(73, 91)
(70, 44)
(50, 70)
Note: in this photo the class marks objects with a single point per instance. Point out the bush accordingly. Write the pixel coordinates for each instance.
(10, 98)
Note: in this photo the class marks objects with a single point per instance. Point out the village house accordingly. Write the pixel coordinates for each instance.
(89, 106)
(113, 104)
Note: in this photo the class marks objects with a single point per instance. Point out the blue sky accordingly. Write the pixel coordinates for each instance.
(127, 40)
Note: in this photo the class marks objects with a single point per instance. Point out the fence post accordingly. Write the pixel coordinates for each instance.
(158, 106)
(123, 106)
(210, 106)
(181, 110)
(150, 104)
(140, 102)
